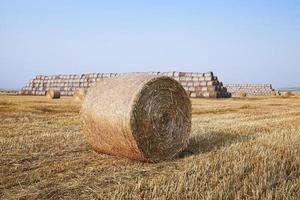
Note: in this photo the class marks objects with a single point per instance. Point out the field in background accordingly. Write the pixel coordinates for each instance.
(239, 148)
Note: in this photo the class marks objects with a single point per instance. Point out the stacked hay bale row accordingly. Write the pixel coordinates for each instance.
(196, 84)
(66, 84)
(250, 89)
(10, 92)
(199, 85)
(204, 85)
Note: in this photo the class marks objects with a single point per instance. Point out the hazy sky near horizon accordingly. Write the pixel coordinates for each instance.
(254, 41)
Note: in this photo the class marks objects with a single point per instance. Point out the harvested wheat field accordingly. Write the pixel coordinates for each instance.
(247, 148)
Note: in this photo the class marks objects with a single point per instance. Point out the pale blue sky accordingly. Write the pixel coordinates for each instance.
(240, 41)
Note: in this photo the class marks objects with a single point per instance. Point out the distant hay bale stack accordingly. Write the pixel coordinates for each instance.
(138, 116)
(79, 94)
(242, 94)
(53, 94)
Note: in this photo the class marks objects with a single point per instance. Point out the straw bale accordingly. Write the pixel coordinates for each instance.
(211, 83)
(208, 78)
(205, 94)
(195, 79)
(138, 116)
(53, 94)
(274, 93)
(190, 84)
(170, 74)
(192, 89)
(193, 94)
(204, 89)
(183, 83)
(196, 83)
(208, 74)
(288, 94)
(182, 78)
(79, 94)
(181, 74)
(176, 74)
(201, 78)
(242, 94)
(203, 83)
(188, 78)
(212, 88)
(188, 74)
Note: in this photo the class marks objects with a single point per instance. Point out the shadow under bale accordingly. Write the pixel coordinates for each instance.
(202, 143)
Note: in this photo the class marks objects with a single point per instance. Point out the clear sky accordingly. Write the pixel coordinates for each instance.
(255, 41)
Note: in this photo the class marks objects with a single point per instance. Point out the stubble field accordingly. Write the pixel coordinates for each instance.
(245, 148)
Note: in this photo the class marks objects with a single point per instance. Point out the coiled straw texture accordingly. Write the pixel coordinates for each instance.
(79, 94)
(53, 94)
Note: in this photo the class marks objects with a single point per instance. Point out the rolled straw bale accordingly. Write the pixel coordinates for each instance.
(288, 94)
(184, 83)
(208, 78)
(193, 95)
(274, 93)
(53, 94)
(138, 116)
(196, 83)
(176, 74)
(242, 94)
(203, 83)
(195, 79)
(170, 74)
(79, 94)
(191, 89)
(190, 84)
(182, 78)
(201, 78)
(188, 78)
(208, 74)
(181, 74)
(205, 94)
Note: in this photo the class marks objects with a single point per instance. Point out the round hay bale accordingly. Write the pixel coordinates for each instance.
(288, 94)
(139, 116)
(242, 94)
(276, 93)
(79, 94)
(53, 94)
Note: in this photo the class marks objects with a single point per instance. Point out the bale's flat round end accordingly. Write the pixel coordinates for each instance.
(79, 94)
(161, 119)
(52, 94)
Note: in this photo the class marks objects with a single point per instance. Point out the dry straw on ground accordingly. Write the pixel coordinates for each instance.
(137, 116)
(238, 149)
(79, 94)
(53, 94)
